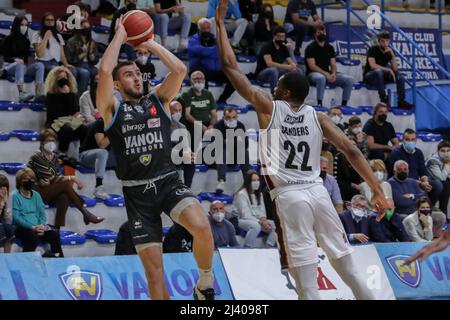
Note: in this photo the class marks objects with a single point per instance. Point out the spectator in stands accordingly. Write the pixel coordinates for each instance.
(379, 133)
(172, 15)
(354, 130)
(234, 22)
(223, 231)
(405, 191)
(347, 177)
(264, 27)
(419, 225)
(94, 153)
(438, 166)
(126, 48)
(203, 55)
(240, 154)
(6, 228)
(177, 239)
(297, 21)
(321, 66)
(66, 22)
(328, 152)
(124, 242)
(331, 185)
(250, 8)
(252, 212)
(49, 45)
(181, 144)
(379, 170)
(53, 186)
(356, 221)
(377, 71)
(81, 52)
(63, 111)
(408, 152)
(146, 67)
(15, 49)
(274, 59)
(29, 216)
(336, 115)
(433, 4)
(88, 107)
(389, 229)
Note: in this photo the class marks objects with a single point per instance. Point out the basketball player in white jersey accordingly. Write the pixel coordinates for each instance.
(290, 143)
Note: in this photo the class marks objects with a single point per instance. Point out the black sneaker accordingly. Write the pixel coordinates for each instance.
(207, 294)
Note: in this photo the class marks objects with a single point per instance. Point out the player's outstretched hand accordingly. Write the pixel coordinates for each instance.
(221, 10)
(120, 29)
(379, 204)
(435, 246)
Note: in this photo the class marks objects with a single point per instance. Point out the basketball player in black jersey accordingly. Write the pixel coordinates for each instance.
(139, 129)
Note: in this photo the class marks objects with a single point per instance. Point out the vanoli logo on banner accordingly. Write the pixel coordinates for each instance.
(82, 285)
(409, 275)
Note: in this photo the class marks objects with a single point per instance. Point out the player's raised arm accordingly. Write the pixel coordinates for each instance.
(436, 246)
(105, 99)
(260, 100)
(171, 85)
(356, 159)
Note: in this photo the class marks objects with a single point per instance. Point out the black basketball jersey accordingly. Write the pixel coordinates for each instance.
(140, 137)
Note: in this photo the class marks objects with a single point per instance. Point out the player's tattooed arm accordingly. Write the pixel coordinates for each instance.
(260, 100)
(105, 99)
(356, 159)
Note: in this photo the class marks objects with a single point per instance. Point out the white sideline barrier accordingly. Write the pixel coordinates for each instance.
(255, 274)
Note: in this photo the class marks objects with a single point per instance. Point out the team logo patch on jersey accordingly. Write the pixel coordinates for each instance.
(409, 275)
(153, 110)
(82, 285)
(291, 119)
(139, 109)
(145, 159)
(127, 117)
(154, 123)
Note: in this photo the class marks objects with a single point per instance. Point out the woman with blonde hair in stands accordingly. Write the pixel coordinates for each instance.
(63, 110)
(380, 172)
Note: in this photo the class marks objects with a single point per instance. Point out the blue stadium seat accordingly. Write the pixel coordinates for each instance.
(368, 109)
(88, 202)
(85, 170)
(399, 136)
(351, 111)
(5, 24)
(101, 29)
(250, 107)
(244, 58)
(25, 135)
(256, 167)
(102, 236)
(6, 105)
(209, 196)
(35, 106)
(321, 108)
(348, 62)
(115, 200)
(234, 168)
(155, 82)
(4, 136)
(358, 85)
(429, 137)
(12, 167)
(239, 109)
(71, 238)
(402, 112)
(36, 26)
(213, 84)
(201, 168)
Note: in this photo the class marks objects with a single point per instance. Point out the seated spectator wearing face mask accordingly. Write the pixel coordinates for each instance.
(419, 225)
(354, 129)
(29, 216)
(356, 221)
(6, 228)
(408, 152)
(389, 229)
(146, 67)
(347, 177)
(264, 26)
(88, 107)
(223, 230)
(379, 170)
(438, 166)
(331, 185)
(336, 115)
(252, 212)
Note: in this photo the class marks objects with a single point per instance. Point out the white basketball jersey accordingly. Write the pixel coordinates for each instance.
(290, 147)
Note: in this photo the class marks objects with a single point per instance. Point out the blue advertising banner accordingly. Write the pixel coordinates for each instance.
(428, 279)
(27, 276)
(427, 39)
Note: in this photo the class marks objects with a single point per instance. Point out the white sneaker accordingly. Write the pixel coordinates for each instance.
(183, 44)
(25, 96)
(220, 186)
(100, 193)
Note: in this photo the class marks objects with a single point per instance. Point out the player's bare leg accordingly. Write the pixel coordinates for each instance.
(194, 220)
(152, 259)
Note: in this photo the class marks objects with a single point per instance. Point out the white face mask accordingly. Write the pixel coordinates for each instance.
(379, 175)
(176, 116)
(356, 130)
(359, 212)
(336, 119)
(219, 216)
(199, 86)
(142, 59)
(255, 185)
(23, 30)
(50, 146)
(231, 123)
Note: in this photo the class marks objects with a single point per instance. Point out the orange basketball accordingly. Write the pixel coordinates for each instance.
(139, 27)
